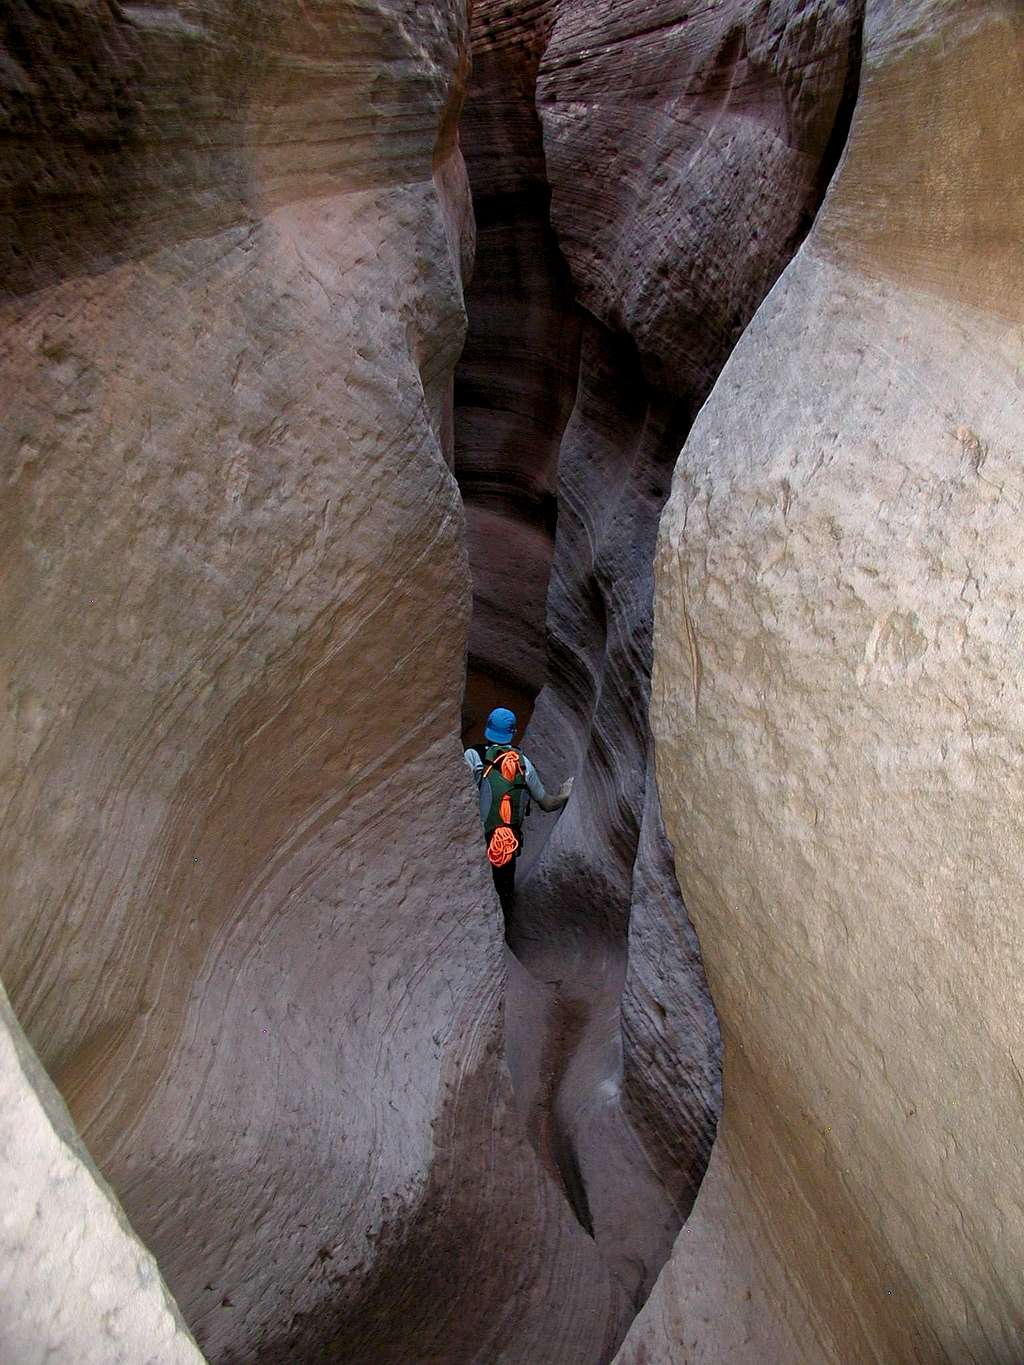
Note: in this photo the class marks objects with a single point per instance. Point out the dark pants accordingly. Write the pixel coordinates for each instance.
(505, 877)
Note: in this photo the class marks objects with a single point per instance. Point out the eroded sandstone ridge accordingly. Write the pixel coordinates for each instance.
(837, 704)
(246, 924)
(641, 174)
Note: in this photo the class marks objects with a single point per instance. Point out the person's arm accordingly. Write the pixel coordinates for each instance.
(474, 763)
(550, 803)
(536, 789)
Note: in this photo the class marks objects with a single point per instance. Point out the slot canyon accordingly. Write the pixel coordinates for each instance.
(652, 367)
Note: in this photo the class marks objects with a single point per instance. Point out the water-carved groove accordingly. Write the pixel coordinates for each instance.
(611, 988)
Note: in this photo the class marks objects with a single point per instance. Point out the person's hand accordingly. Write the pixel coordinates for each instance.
(566, 789)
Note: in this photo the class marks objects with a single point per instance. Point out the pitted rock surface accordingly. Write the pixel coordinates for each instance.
(91, 1294)
(837, 710)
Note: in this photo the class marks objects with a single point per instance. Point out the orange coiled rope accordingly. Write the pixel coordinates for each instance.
(504, 843)
(509, 766)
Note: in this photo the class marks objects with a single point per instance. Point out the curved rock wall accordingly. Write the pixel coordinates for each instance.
(269, 983)
(516, 378)
(246, 925)
(686, 153)
(837, 709)
(688, 149)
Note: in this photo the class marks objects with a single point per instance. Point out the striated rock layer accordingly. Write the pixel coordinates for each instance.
(838, 714)
(246, 926)
(685, 150)
(516, 378)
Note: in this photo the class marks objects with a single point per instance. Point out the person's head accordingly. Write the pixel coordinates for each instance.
(501, 726)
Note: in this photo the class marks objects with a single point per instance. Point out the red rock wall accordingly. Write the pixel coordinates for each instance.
(517, 375)
(686, 153)
(235, 599)
(687, 150)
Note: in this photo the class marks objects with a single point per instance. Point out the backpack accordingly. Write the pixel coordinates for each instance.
(503, 799)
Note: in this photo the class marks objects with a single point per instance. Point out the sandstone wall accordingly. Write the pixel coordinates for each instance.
(685, 151)
(246, 925)
(516, 378)
(838, 716)
(90, 1292)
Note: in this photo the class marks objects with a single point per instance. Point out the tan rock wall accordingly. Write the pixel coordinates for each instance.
(246, 925)
(837, 712)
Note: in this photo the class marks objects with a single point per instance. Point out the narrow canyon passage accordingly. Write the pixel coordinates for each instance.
(601, 311)
(713, 462)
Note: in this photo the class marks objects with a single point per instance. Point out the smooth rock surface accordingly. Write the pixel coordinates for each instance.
(837, 707)
(685, 150)
(246, 923)
(688, 147)
(516, 378)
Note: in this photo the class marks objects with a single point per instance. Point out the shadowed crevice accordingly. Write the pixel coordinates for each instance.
(611, 1034)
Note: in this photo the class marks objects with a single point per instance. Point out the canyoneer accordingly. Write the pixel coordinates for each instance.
(507, 781)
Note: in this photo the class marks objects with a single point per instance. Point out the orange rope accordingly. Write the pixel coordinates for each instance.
(502, 847)
(508, 766)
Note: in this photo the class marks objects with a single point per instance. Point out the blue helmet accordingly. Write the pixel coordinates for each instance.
(501, 726)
